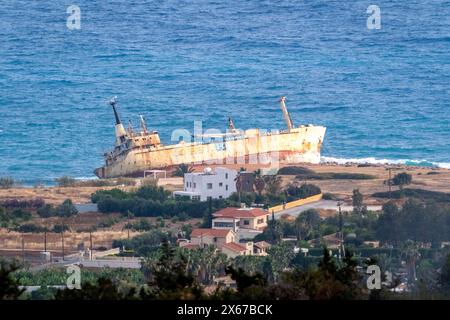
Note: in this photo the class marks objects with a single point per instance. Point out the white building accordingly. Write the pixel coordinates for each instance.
(215, 183)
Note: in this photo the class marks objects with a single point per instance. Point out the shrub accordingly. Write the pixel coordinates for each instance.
(304, 191)
(66, 209)
(295, 171)
(335, 176)
(415, 193)
(23, 204)
(30, 228)
(58, 228)
(152, 192)
(21, 214)
(65, 181)
(6, 182)
(46, 211)
(329, 196)
(402, 179)
(141, 225)
(113, 193)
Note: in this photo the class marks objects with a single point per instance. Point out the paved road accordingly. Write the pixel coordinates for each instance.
(322, 204)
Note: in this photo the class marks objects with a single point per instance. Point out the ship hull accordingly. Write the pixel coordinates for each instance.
(298, 145)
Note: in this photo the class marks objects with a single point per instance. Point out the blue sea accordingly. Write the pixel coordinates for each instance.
(382, 93)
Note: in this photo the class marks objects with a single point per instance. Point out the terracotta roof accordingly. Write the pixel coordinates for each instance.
(262, 244)
(241, 213)
(220, 233)
(234, 247)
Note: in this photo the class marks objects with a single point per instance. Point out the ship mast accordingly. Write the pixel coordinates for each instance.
(287, 116)
(231, 125)
(120, 130)
(143, 125)
(130, 128)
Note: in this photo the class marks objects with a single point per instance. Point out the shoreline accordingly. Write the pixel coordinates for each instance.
(437, 180)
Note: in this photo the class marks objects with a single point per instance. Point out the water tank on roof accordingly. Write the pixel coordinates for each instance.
(207, 170)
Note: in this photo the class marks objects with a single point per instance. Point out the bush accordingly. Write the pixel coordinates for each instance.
(402, 179)
(106, 224)
(46, 211)
(141, 225)
(145, 242)
(58, 228)
(65, 181)
(292, 171)
(66, 209)
(23, 204)
(246, 197)
(335, 176)
(6, 182)
(113, 193)
(152, 193)
(30, 228)
(415, 193)
(21, 214)
(304, 191)
(329, 196)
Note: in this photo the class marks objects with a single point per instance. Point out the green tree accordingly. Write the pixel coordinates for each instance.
(259, 182)
(444, 278)
(170, 279)
(358, 203)
(9, 287)
(181, 169)
(306, 222)
(402, 179)
(280, 256)
(66, 209)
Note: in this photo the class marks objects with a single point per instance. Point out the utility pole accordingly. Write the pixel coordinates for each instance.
(128, 224)
(23, 249)
(90, 239)
(389, 184)
(341, 225)
(62, 240)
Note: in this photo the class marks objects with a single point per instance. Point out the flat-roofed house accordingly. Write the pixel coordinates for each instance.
(214, 183)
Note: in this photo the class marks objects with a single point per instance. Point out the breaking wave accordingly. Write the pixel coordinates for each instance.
(370, 160)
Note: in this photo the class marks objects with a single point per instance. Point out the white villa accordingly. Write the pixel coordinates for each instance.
(215, 183)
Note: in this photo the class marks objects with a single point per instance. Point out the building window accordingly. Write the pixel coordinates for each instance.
(220, 197)
(220, 184)
(187, 184)
(195, 185)
(260, 221)
(209, 186)
(226, 187)
(219, 224)
(226, 175)
(246, 222)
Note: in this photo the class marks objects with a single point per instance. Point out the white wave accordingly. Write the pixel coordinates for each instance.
(86, 178)
(371, 160)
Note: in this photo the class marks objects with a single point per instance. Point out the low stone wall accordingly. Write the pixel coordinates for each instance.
(296, 203)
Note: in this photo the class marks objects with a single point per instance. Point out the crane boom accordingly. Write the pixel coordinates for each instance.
(286, 115)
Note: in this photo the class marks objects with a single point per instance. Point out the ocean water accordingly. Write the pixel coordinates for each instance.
(383, 94)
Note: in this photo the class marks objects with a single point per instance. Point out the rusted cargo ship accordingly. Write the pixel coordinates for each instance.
(135, 152)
